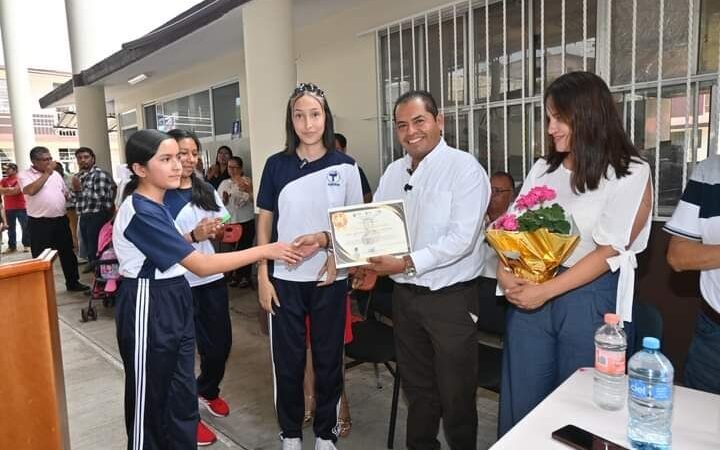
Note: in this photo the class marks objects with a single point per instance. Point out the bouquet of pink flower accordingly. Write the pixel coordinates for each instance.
(535, 242)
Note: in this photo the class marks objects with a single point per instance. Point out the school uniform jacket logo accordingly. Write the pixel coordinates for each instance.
(333, 178)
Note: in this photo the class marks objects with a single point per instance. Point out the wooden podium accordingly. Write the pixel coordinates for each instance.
(33, 414)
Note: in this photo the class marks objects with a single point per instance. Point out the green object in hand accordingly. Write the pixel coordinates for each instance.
(226, 218)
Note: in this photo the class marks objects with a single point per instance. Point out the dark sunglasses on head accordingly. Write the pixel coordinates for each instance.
(309, 88)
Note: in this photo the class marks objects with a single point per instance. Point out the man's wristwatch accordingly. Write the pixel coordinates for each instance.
(409, 266)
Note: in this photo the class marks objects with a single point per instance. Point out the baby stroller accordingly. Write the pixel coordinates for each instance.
(107, 274)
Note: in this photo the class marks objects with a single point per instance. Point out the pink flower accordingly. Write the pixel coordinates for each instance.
(545, 193)
(507, 222)
(534, 197)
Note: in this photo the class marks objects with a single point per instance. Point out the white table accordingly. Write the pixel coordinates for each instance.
(695, 423)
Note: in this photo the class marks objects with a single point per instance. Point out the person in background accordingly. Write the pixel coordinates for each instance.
(45, 194)
(94, 190)
(15, 210)
(70, 206)
(200, 168)
(341, 146)
(695, 245)
(237, 196)
(603, 184)
(218, 171)
(492, 306)
(3, 222)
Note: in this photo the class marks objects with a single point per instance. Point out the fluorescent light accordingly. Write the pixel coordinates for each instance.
(137, 79)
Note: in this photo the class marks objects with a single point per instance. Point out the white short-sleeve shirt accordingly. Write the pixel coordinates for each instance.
(186, 216)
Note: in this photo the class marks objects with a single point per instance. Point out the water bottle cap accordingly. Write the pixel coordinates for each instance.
(651, 343)
(612, 319)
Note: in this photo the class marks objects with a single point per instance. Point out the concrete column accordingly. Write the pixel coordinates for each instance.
(86, 19)
(14, 26)
(270, 76)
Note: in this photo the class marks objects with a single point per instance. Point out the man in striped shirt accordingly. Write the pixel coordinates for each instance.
(695, 245)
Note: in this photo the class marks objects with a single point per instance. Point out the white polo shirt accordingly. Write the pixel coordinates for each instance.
(299, 194)
(697, 217)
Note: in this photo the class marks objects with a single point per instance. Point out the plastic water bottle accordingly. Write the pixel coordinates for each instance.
(651, 396)
(609, 388)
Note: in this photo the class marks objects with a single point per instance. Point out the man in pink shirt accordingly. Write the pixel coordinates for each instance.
(14, 201)
(45, 194)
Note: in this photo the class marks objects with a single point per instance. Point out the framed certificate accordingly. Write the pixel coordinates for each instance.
(371, 229)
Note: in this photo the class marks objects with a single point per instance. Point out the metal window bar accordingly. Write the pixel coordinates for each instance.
(442, 61)
(542, 77)
(380, 106)
(585, 49)
(506, 86)
(389, 95)
(412, 36)
(688, 93)
(716, 106)
(487, 86)
(522, 87)
(658, 130)
(427, 55)
(633, 55)
(562, 37)
(402, 60)
(453, 79)
(470, 68)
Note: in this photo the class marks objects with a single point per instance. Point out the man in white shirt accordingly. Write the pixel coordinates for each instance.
(435, 300)
(695, 245)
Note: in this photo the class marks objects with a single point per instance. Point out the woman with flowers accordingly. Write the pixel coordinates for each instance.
(596, 175)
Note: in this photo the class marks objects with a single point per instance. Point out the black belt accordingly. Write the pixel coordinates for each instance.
(710, 313)
(425, 290)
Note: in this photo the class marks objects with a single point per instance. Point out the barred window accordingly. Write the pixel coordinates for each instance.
(487, 63)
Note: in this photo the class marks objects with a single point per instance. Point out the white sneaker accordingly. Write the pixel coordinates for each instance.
(292, 444)
(324, 444)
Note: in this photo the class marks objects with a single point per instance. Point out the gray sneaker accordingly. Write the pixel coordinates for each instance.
(324, 444)
(292, 444)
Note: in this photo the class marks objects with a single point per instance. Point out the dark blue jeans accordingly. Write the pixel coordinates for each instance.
(90, 224)
(543, 347)
(702, 369)
(19, 215)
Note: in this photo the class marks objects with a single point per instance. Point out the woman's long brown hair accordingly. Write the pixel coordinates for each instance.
(598, 140)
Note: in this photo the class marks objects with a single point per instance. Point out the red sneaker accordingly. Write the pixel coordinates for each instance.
(205, 436)
(217, 407)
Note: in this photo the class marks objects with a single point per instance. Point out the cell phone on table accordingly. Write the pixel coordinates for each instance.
(581, 439)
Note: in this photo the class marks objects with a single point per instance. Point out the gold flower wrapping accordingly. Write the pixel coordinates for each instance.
(532, 255)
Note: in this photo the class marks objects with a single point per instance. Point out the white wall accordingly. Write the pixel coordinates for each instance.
(225, 68)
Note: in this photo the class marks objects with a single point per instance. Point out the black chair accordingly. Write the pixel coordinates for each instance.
(373, 342)
(491, 324)
(647, 323)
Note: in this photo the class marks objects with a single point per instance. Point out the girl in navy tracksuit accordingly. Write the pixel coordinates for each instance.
(298, 186)
(154, 314)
